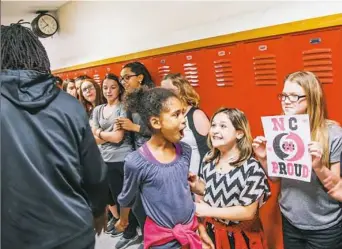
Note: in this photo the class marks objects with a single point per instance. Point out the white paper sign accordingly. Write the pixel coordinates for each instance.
(288, 138)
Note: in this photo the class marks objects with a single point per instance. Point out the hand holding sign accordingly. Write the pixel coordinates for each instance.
(316, 151)
(259, 147)
(288, 139)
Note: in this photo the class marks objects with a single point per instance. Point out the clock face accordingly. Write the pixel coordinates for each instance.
(47, 24)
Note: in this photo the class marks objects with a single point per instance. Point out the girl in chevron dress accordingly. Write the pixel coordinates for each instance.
(233, 186)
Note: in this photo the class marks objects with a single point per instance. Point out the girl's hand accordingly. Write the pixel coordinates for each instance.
(121, 225)
(202, 209)
(259, 148)
(94, 129)
(316, 151)
(126, 124)
(97, 132)
(207, 243)
(192, 180)
(334, 186)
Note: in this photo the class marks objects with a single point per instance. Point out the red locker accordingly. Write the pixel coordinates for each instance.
(220, 79)
(263, 70)
(320, 52)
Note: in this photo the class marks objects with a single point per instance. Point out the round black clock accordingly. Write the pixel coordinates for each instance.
(44, 25)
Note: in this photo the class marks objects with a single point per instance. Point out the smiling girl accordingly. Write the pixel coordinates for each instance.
(233, 185)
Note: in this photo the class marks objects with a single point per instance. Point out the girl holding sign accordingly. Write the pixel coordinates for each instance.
(311, 218)
(233, 185)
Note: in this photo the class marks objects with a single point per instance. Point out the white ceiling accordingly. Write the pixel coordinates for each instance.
(10, 8)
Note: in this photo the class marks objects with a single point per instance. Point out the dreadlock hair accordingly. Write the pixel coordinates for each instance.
(59, 81)
(21, 49)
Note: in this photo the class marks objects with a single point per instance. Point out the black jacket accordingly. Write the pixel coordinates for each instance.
(52, 173)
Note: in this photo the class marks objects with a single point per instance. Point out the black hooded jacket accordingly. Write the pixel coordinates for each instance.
(52, 174)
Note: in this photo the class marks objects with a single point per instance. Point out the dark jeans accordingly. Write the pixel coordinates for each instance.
(139, 212)
(115, 176)
(294, 238)
(85, 240)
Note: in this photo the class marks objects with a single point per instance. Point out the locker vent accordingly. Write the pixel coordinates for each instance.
(265, 72)
(191, 73)
(163, 70)
(223, 72)
(319, 62)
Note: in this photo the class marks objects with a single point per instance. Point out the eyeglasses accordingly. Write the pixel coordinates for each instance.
(89, 88)
(291, 98)
(126, 78)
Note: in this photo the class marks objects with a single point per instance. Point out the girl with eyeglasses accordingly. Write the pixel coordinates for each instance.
(133, 76)
(90, 96)
(311, 218)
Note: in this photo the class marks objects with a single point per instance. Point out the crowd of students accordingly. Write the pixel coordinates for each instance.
(185, 180)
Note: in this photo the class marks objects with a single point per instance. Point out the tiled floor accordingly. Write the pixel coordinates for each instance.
(104, 241)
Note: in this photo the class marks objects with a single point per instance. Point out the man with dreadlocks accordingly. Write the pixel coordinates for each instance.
(53, 177)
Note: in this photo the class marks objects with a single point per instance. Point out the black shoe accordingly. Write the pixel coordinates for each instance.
(115, 233)
(111, 225)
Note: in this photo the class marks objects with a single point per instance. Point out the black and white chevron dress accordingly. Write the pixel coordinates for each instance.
(239, 187)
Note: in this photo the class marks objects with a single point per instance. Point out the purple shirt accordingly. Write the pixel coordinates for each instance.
(163, 187)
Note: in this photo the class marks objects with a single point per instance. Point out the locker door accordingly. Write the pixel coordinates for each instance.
(191, 65)
(320, 52)
(263, 71)
(219, 78)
